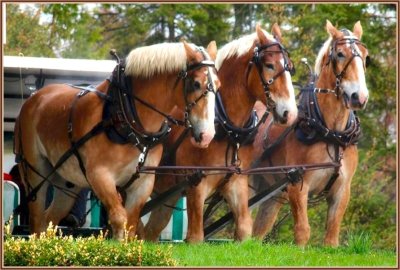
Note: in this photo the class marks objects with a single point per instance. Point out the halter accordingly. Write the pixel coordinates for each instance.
(189, 85)
(339, 75)
(288, 66)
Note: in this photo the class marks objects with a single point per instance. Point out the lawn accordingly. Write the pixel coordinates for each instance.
(255, 253)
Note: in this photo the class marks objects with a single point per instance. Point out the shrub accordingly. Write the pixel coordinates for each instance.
(50, 249)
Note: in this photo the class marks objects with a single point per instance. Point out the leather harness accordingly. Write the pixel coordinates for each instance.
(311, 128)
(120, 122)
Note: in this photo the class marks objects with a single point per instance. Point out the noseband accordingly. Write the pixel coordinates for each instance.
(271, 105)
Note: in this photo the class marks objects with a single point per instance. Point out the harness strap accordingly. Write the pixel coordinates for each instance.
(169, 154)
(268, 151)
(189, 180)
(254, 201)
(32, 194)
(335, 175)
(101, 126)
(83, 92)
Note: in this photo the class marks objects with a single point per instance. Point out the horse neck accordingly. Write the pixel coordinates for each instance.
(332, 108)
(235, 95)
(159, 92)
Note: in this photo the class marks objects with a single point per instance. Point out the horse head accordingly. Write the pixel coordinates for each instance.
(200, 79)
(273, 67)
(347, 59)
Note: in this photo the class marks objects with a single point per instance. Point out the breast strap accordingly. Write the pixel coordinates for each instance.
(311, 127)
(225, 128)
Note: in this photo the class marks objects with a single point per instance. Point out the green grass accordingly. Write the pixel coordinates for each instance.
(255, 253)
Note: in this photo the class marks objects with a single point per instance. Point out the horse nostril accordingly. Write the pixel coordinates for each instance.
(354, 96)
(285, 114)
(199, 138)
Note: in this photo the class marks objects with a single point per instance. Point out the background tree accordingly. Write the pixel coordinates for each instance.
(24, 34)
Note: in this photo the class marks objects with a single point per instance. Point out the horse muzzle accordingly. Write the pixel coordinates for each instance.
(203, 138)
(287, 118)
(357, 102)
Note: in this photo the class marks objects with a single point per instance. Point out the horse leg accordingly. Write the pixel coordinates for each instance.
(63, 201)
(195, 197)
(140, 229)
(298, 196)
(268, 211)
(266, 217)
(236, 194)
(37, 223)
(160, 218)
(36, 206)
(337, 203)
(160, 215)
(137, 195)
(103, 185)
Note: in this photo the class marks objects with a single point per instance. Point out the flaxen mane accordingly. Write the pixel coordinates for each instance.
(320, 57)
(156, 59)
(238, 47)
(323, 51)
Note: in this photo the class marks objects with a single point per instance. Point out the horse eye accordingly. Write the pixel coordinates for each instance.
(196, 85)
(340, 55)
(367, 61)
(270, 66)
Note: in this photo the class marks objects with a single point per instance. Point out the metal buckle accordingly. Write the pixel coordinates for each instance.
(82, 92)
(182, 74)
(142, 156)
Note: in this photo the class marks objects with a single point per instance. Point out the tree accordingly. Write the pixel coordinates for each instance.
(24, 34)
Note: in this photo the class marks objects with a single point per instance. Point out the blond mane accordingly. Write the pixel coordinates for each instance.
(238, 47)
(321, 53)
(156, 59)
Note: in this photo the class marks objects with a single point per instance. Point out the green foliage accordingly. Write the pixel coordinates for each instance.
(51, 250)
(360, 243)
(24, 34)
(373, 208)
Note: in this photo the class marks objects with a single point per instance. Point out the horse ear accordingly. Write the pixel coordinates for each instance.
(335, 34)
(190, 53)
(261, 37)
(212, 50)
(276, 32)
(357, 30)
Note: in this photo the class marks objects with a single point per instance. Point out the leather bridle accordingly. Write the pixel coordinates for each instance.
(189, 85)
(352, 41)
(288, 66)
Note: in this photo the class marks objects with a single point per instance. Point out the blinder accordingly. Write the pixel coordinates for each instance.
(260, 51)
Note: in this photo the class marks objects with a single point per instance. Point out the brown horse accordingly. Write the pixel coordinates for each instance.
(254, 67)
(131, 109)
(340, 89)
